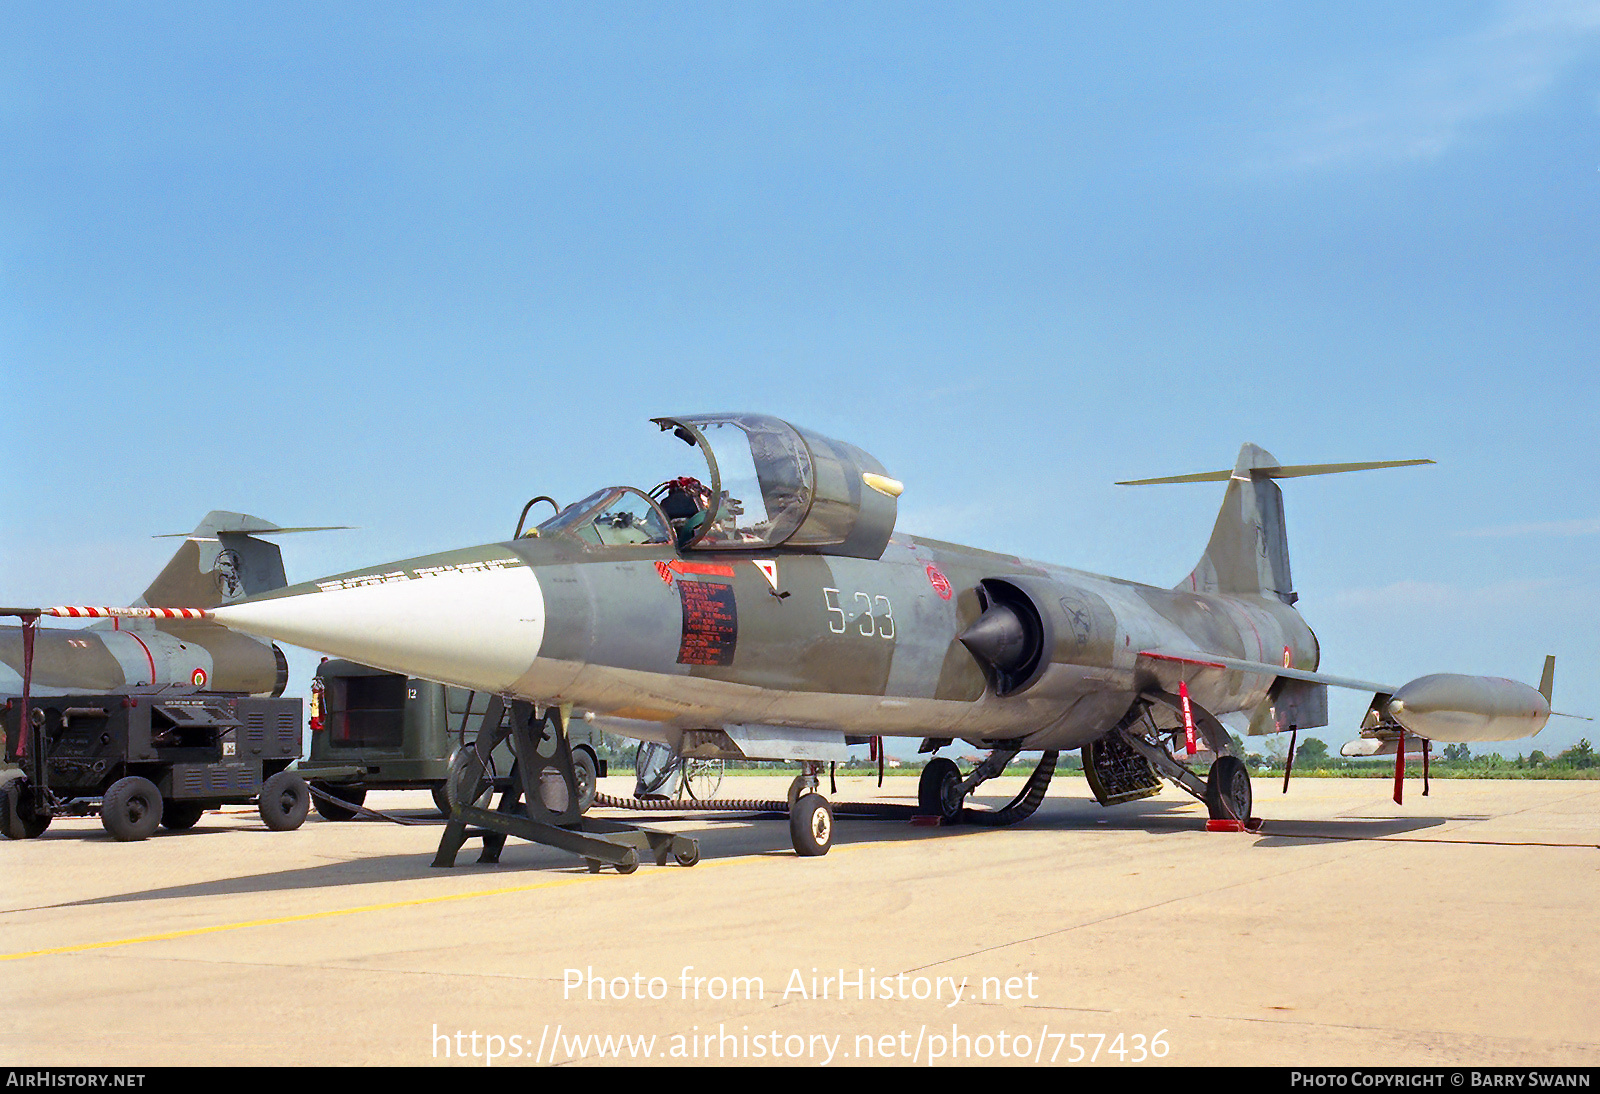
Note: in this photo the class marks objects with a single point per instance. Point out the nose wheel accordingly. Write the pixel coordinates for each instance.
(811, 825)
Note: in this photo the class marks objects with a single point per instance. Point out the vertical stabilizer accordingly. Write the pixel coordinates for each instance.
(1249, 549)
(219, 562)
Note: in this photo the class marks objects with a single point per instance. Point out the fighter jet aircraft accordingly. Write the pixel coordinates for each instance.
(219, 562)
(763, 606)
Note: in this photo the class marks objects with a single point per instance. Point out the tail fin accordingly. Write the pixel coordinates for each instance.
(1249, 549)
(219, 562)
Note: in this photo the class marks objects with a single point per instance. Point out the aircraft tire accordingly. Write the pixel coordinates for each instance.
(939, 790)
(285, 800)
(178, 816)
(352, 796)
(585, 774)
(131, 809)
(15, 823)
(1228, 793)
(811, 826)
(441, 800)
(460, 762)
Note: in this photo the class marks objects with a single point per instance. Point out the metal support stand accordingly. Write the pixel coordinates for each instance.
(541, 804)
(28, 803)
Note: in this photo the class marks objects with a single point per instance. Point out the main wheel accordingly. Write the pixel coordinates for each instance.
(1228, 793)
(131, 809)
(939, 790)
(811, 825)
(285, 801)
(16, 820)
(586, 776)
(349, 800)
(441, 800)
(178, 816)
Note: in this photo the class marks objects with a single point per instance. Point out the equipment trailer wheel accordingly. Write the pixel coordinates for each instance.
(460, 761)
(15, 821)
(939, 790)
(285, 800)
(177, 816)
(352, 796)
(1228, 793)
(811, 825)
(131, 809)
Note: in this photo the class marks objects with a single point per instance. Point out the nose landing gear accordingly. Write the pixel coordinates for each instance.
(811, 825)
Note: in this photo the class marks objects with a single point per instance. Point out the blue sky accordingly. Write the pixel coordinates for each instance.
(403, 267)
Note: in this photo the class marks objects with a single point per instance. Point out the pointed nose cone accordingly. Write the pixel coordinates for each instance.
(475, 628)
(998, 637)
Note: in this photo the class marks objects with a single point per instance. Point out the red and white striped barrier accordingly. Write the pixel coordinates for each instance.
(75, 612)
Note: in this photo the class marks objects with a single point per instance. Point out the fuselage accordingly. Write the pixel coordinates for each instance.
(656, 641)
(119, 656)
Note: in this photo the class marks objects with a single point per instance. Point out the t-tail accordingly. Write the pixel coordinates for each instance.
(221, 561)
(1249, 550)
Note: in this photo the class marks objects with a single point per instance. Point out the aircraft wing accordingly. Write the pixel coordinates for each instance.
(1266, 668)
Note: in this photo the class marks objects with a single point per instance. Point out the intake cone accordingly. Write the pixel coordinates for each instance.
(998, 638)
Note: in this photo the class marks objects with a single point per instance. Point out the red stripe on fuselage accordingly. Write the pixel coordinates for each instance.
(1181, 660)
(147, 654)
(705, 569)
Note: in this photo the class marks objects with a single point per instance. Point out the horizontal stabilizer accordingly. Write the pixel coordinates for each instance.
(219, 520)
(1279, 471)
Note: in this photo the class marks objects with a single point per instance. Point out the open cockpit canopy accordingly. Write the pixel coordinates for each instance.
(773, 484)
(768, 484)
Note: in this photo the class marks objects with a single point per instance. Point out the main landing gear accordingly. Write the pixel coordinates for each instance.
(1130, 761)
(942, 792)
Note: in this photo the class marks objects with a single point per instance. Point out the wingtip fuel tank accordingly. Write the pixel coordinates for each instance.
(1449, 707)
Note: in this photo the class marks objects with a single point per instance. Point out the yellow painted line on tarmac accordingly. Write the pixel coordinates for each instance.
(302, 918)
(332, 913)
(305, 917)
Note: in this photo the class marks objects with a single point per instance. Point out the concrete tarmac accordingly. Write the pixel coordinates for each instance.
(1457, 930)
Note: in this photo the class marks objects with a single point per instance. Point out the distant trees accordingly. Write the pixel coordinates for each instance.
(1580, 755)
(1311, 752)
